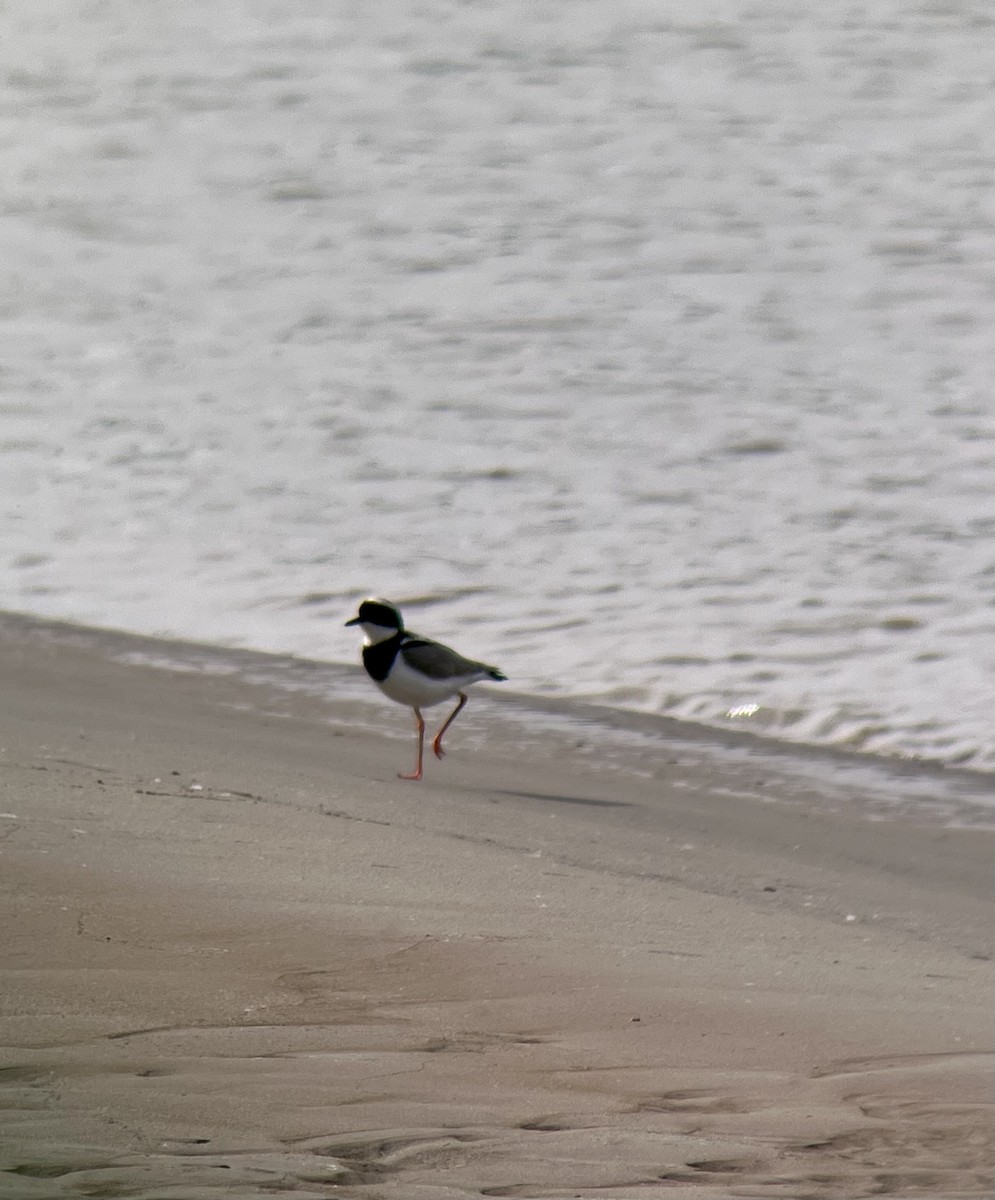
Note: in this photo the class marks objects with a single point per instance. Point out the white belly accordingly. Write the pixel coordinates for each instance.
(406, 686)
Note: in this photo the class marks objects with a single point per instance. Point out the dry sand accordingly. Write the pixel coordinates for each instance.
(603, 957)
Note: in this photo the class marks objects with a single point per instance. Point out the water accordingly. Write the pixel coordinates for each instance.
(645, 352)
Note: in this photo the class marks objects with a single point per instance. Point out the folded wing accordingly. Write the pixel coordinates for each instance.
(439, 662)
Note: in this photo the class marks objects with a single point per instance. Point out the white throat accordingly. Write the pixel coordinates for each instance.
(376, 633)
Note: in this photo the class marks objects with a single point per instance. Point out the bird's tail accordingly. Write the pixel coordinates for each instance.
(494, 673)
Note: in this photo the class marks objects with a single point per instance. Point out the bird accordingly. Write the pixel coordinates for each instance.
(415, 671)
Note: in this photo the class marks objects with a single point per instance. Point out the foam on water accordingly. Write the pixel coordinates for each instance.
(648, 355)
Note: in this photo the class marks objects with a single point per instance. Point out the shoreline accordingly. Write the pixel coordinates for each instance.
(240, 955)
(324, 679)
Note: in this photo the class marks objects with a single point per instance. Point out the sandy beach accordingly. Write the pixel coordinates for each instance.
(588, 956)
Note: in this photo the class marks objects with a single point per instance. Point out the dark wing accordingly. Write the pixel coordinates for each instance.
(439, 662)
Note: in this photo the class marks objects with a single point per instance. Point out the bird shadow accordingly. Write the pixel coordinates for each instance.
(583, 801)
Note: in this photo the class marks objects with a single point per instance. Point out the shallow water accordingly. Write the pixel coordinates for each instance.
(647, 355)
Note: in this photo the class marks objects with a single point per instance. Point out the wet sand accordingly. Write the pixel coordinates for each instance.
(587, 956)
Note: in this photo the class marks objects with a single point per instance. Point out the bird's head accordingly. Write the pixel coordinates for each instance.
(379, 619)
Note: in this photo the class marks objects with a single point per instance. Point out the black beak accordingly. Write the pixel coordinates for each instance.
(354, 621)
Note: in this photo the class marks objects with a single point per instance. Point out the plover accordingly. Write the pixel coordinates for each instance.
(415, 671)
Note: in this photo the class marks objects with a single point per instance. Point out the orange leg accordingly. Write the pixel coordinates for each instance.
(416, 774)
(437, 743)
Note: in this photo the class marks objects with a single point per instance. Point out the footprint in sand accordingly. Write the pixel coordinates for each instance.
(692, 1100)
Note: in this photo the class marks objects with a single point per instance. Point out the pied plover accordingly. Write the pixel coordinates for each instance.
(415, 671)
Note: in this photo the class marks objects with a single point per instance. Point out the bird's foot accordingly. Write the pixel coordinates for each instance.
(415, 775)
(437, 749)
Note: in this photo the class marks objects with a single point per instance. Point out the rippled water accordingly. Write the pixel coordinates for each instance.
(646, 352)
